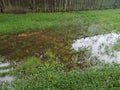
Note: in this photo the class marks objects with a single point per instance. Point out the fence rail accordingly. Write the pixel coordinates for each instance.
(20, 6)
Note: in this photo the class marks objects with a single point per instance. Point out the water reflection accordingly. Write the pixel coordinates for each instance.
(4, 70)
(100, 46)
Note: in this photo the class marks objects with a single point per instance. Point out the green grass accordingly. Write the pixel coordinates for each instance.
(106, 19)
(117, 45)
(52, 75)
(29, 65)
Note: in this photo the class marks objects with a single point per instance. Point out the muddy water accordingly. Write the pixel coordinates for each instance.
(100, 46)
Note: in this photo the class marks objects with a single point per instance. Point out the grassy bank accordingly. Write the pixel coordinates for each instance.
(104, 19)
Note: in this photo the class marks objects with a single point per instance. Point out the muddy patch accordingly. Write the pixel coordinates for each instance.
(20, 46)
(100, 46)
(16, 47)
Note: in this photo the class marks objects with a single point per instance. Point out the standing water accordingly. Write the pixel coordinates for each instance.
(5, 69)
(6, 79)
(100, 46)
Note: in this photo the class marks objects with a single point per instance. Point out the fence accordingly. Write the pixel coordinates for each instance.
(55, 5)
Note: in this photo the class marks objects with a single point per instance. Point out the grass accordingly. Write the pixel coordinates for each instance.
(107, 20)
(117, 45)
(52, 75)
(2, 74)
(29, 65)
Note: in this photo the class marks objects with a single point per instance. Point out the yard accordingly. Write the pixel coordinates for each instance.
(38, 47)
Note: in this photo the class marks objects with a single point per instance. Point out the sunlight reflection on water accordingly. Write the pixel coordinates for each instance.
(100, 46)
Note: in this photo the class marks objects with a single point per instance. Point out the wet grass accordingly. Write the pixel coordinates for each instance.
(9, 67)
(17, 23)
(3, 74)
(117, 45)
(106, 19)
(51, 75)
(6, 67)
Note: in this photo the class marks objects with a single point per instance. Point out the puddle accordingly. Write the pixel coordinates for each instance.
(7, 79)
(100, 46)
(4, 64)
(4, 69)
(97, 28)
(93, 27)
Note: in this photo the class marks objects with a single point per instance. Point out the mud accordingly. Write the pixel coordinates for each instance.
(20, 46)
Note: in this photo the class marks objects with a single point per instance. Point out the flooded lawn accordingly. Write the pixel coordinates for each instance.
(100, 46)
(17, 47)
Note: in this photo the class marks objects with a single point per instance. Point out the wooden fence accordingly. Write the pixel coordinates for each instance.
(19, 6)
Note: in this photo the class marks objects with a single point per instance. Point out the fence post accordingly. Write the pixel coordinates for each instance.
(33, 4)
